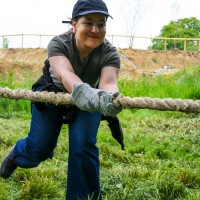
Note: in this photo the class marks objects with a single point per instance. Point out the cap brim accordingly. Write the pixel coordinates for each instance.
(67, 22)
(93, 11)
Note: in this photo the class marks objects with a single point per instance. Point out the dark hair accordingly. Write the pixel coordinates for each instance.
(69, 21)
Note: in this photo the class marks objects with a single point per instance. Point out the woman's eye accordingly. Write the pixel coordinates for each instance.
(89, 23)
(101, 25)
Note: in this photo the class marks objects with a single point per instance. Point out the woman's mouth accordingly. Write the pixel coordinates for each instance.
(94, 36)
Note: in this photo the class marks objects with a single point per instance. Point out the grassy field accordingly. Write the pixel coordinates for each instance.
(162, 149)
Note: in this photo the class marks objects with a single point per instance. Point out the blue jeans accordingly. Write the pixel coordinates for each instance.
(83, 163)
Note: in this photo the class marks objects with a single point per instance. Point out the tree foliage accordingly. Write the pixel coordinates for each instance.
(182, 28)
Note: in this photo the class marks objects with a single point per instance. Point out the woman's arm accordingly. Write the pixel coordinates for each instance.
(108, 80)
(63, 70)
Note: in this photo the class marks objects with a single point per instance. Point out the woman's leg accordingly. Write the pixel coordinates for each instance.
(83, 164)
(42, 137)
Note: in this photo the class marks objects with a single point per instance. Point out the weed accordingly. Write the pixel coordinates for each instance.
(154, 59)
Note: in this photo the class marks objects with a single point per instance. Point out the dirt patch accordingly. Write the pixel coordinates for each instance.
(133, 62)
(21, 61)
(136, 62)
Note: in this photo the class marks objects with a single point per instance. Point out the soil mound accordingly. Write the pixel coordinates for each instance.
(133, 62)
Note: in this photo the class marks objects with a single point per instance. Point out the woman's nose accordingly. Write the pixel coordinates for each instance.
(95, 28)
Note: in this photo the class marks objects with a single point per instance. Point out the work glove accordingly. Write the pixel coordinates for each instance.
(108, 108)
(87, 98)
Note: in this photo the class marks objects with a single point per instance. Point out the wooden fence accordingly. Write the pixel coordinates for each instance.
(161, 38)
(41, 37)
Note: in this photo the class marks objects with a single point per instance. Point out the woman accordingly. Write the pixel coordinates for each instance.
(83, 63)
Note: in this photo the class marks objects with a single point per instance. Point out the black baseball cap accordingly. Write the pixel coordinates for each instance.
(84, 7)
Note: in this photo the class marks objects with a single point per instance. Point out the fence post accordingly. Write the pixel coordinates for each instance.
(40, 41)
(165, 44)
(112, 39)
(150, 46)
(132, 40)
(3, 42)
(22, 41)
(184, 45)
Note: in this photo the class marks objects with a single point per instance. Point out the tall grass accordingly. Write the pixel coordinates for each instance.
(162, 152)
(184, 84)
(10, 106)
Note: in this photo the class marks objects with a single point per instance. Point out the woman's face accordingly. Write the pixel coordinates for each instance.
(90, 31)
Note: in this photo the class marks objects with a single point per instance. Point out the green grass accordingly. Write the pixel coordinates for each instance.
(161, 158)
(184, 84)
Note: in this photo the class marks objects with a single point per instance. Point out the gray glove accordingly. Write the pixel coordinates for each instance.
(107, 106)
(87, 98)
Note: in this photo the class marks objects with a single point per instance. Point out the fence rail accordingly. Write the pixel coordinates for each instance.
(160, 38)
(41, 41)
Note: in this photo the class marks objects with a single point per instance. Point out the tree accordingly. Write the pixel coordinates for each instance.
(175, 10)
(134, 11)
(184, 28)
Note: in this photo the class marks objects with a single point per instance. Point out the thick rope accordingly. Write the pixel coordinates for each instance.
(188, 106)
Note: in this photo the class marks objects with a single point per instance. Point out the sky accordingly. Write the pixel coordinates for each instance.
(45, 16)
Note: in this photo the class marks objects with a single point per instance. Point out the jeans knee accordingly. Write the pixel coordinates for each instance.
(42, 155)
